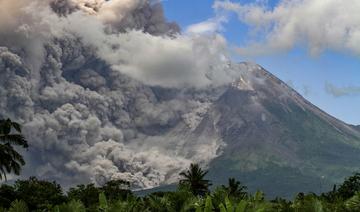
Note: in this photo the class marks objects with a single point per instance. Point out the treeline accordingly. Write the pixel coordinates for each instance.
(192, 194)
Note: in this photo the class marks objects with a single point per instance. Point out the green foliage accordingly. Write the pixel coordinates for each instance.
(72, 206)
(208, 204)
(103, 204)
(228, 204)
(39, 194)
(235, 188)
(218, 195)
(36, 195)
(222, 208)
(116, 189)
(228, 207)
(350, 186)
(182, 200)
(281, 204)
(18, 206)
(87, 194)
(7, 195)
(161, 204)
(353, 204)
(193, 178)
(241, 207)
(131, 204)
(309, 203)
(10, 160)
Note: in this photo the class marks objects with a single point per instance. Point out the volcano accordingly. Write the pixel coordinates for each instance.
(277, 141)
(272, 138)
(112, 90)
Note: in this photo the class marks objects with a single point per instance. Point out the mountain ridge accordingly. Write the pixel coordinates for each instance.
(267, 132)
(264, 130)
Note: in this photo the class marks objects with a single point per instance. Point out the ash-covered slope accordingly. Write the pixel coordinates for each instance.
(357, 127)
(272, 138)
(276, 140)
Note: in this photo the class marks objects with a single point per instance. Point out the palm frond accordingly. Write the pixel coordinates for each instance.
(14, 139)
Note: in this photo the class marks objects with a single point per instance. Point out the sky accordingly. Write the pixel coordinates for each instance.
(311, 45)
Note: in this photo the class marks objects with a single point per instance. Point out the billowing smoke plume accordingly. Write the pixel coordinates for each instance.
(101, 88)
(121, 15)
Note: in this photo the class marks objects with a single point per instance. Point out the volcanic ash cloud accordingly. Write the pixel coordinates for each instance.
(103, 89)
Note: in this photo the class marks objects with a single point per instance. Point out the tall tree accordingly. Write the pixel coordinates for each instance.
(194, 179)
(235, 188)
(10, 136)
(39, 194)
(117, 189)
(350, 186)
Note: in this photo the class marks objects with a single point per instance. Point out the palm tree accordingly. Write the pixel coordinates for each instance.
(194, 179)
(235, 188)
(10, 159)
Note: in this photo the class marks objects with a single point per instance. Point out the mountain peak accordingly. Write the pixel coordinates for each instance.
(267, 126)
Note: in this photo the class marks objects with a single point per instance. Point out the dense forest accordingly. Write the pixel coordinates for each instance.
(193, 193)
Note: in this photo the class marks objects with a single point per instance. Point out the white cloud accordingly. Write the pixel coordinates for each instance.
(210, 26)
(341, 91)
(317, 24)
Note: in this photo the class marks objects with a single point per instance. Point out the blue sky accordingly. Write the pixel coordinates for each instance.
(309, 74)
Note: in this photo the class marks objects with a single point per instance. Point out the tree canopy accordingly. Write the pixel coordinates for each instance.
(194, 179)
(10, 160)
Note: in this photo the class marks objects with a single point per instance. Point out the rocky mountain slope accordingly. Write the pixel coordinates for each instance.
(273, 139)
(357, 127)
(278, 141)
